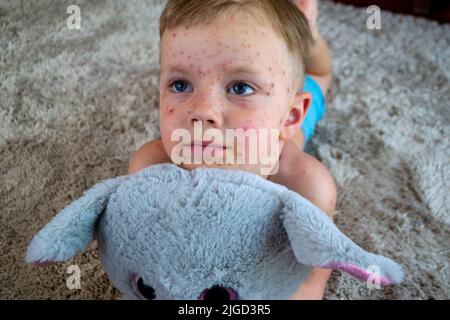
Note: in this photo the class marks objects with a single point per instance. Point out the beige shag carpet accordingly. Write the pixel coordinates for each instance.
(75, 105)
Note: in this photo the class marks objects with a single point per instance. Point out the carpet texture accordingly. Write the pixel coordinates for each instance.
(75, 105)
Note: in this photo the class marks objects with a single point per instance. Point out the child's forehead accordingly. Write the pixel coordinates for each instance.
(245, 39)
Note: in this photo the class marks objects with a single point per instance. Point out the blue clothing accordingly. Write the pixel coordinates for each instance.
(316, 109)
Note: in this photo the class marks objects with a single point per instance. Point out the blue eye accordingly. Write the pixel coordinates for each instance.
(179, 86)
(241, 88)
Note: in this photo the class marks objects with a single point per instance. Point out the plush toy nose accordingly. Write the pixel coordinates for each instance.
(218, 293)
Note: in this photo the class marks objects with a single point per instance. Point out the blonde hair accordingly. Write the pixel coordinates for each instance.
(285, 18)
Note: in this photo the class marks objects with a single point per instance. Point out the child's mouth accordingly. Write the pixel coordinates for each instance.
(204, 144)
(198, 147)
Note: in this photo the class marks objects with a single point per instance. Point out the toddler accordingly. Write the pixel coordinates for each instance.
(248, 66)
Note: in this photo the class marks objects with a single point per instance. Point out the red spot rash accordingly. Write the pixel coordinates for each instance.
(248, 124)
(174, 34)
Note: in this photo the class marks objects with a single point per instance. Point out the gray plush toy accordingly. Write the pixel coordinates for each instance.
(169, 233)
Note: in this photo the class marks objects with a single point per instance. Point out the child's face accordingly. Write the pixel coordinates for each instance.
(230, 74)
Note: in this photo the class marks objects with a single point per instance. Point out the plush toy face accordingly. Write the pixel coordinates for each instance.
(169, 233)
(198, 233)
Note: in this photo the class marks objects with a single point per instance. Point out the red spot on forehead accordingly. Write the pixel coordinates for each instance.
(174, 34)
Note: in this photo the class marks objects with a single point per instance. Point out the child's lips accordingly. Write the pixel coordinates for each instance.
(209, 144)
(199, 147)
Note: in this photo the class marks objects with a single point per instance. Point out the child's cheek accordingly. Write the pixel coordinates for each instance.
(167, 110)
(247, 125)
(255, 124)
(169, 117)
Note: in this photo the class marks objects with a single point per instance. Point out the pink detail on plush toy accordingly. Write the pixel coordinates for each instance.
(357, 272)
(44, 264)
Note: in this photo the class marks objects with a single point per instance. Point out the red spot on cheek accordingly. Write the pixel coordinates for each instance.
(248, 125)
(171, 111)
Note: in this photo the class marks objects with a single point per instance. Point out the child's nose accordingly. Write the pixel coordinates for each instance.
(207, 113)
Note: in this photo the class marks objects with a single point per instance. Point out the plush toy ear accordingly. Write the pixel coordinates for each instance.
(317, 242)
(72, 229)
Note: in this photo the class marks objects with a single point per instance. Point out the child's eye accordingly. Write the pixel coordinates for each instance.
(179, 86)
(241, 88)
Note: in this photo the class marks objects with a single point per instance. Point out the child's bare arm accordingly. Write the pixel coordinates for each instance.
(308, 177)
(150, 153)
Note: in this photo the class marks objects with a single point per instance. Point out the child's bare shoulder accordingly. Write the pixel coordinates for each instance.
(148, 154)
(304, 174)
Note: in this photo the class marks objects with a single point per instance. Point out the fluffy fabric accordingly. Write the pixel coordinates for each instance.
(184, 232)
(76, 104)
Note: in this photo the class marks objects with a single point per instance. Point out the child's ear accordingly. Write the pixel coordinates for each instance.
(296, 115)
